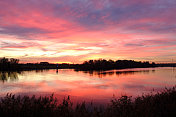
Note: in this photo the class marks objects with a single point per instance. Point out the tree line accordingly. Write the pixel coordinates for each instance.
(100, 64)
(103, 64)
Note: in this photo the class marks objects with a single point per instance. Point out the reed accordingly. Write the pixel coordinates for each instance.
(162, 104)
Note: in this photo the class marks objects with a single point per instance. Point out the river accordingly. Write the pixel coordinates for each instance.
(99, 87)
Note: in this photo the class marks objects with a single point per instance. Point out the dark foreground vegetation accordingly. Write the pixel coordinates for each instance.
(162, 104)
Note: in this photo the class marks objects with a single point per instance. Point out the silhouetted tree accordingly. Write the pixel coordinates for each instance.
(4, 60)
(8, 64)
(14, 61)
(103, 64)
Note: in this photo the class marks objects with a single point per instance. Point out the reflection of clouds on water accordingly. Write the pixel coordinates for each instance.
(64, 90)
(9, 76)
(102, 86)
(21, 86)
(80, 84)
(133, 86)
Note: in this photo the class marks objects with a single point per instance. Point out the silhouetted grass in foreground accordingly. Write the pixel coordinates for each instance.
(159, 105)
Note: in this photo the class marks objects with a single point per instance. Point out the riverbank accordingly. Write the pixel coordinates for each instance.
(162, 104)
(91, 65)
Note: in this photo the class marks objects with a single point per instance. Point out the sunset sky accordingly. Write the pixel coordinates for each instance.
(78, 30)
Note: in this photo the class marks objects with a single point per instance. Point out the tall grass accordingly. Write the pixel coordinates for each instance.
(162, 104)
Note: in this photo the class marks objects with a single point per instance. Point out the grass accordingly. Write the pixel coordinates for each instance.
(162, 104)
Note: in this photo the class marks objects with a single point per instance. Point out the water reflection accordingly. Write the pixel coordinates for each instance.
(13, 76)
(118, 73)
(9, 76)
(87, 85)
(41, 70)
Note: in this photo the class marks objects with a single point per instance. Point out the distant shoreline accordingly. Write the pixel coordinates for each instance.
(91, 65)
(25, 67)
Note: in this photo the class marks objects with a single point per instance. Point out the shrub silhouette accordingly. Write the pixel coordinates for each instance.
(152, 105)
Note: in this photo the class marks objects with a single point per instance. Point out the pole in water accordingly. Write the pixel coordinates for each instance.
(57, 67)
(56, 71)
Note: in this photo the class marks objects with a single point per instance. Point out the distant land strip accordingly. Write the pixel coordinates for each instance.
(13, 64)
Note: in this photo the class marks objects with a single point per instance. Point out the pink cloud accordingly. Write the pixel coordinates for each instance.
(87, 29)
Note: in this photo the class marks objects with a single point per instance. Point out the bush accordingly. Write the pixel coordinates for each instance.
(154, 105)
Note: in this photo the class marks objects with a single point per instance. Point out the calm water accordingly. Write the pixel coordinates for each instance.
(88, 86)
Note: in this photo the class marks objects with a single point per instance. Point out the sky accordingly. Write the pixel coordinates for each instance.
(77, 30)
